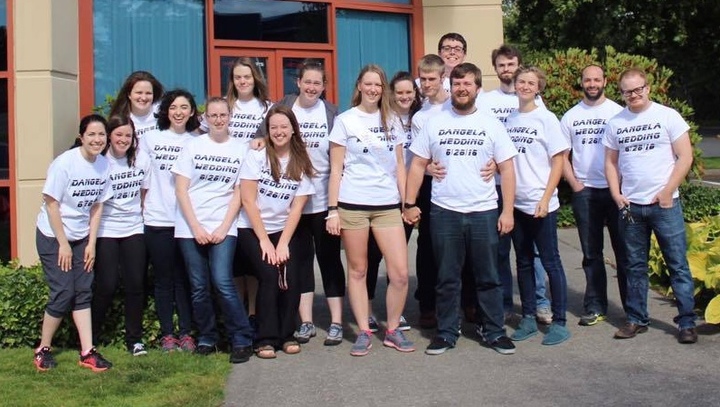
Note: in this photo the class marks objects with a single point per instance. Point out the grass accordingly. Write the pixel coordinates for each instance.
(711, 163)
(176, 379)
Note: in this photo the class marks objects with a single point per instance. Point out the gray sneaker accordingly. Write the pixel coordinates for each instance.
(544, 316)
(404, 326)
(396, 339)
(305, 332)
(362, 344)
(334, 335)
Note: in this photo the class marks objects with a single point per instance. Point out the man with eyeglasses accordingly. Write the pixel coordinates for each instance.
(593, 206)
(452, 48)
(647, 156)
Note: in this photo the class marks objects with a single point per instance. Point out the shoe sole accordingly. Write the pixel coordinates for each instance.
(92, 367)
(593, 322)
(237, 361)
(42, 369)
(640, 330)
(391, 344)
(435, 352)
(522, 338)
(361, 352)
(332, 342)
(504, 351)
(548, 343)
(404, 328)
(143, 353)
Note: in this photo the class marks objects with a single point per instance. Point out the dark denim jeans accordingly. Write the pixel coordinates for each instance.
(669, 229)
(458, 238)
(594, 208)
(541, 232)
(213, 264)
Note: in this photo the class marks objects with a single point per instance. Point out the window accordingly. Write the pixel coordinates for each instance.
(166, 38)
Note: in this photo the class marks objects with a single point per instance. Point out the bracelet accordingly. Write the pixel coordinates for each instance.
(334, 215)
(409, 205)
(332, 208)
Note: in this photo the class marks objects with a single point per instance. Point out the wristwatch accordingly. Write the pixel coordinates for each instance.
(409, 205)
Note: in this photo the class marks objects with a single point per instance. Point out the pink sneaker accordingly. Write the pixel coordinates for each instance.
(187, 343)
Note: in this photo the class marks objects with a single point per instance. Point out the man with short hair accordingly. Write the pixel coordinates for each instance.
(593, 206)
(500, 102)
(647, 156)
(465, 223)
(452, 48)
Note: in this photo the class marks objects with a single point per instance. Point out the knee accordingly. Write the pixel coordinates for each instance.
(357, 273)
(399, 278)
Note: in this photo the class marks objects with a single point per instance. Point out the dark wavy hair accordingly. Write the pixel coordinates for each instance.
(84, 123)
(417, 102)
(299, 163)
(118, 121)
(121, 105)
(163, 121)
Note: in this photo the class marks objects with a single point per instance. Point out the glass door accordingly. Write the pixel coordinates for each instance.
(224, 61)
(289, 63)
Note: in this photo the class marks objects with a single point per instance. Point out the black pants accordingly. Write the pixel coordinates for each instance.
(120, 259)
(314, 240)
(277, 310)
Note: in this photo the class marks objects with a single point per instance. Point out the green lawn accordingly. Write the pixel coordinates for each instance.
(176, 379)
(711, 163)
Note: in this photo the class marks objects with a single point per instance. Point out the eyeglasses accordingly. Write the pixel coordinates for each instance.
(222, 116)
(447, 48)
(638, 91)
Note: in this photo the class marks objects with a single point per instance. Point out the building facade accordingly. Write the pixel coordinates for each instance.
(61, 58)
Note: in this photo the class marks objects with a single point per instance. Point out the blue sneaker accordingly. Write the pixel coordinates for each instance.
(556, 334)
(362, 344)
(527, 329)
(396, 339)
(305, 332)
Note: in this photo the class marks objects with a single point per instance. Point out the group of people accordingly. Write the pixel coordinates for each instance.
(243, 198)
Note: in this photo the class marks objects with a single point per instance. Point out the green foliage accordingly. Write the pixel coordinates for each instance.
(565, 218)
(563, 90)
(158, 379)
(23, 296)
(104, 108)
(699, 202)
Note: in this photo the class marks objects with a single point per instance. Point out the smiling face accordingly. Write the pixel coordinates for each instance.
(218, 117)
(311, 85)
(527, 86)
(636, 92)
(179, 112)
(453, 53)
(280, 131)
(244, 82)
(370, 88)
(121, 139)
(593, 83)
(141, 98)
(464, 92)
(94, 140)
(404, 95)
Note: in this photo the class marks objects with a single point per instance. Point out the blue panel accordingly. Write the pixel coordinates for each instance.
(369, 37)
(166, 38)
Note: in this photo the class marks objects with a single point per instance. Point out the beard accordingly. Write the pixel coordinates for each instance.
(462, 106)
(506, 79)
(599, 94)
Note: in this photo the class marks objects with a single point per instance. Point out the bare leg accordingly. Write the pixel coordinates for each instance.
(305, 308)
(49, 327)
(356, 241)
(394, 248)
(83, 323)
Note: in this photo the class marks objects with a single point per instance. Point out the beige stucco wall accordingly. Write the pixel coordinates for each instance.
(479, 21)
(46, 101)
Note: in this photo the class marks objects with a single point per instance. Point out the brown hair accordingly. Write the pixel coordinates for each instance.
(384, 102)
(118, 121)
(121, 105)
(299, 163)
(542, 80)
(260, 89)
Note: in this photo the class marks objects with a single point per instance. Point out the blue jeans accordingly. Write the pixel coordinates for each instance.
(506, 272)
(594, 208)
(213, 263)
(669, 229)
(458, 238)
(541, 232)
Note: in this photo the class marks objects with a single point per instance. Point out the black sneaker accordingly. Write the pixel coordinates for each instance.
(205, 350)
(503, 345)
(240, 354)
(438, 346)
(591, 318)
(94, 361)
(137, 349)
(44, 359)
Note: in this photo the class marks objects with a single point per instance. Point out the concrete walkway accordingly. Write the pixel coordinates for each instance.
(590, 369)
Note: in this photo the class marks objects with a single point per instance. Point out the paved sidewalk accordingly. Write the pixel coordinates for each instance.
(590, 369)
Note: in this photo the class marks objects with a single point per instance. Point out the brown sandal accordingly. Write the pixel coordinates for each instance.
(266, 352)
(291, 347)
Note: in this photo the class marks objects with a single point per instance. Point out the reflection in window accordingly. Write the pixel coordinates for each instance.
(4, 150)
(166, 38)
(262, 20)
(4, 225)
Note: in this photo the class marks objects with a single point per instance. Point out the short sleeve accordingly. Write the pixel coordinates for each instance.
(184, 164)
(305, 187)
(421, 144)
(250, 168)
(57, 180)
(556, 143)
(609, 140)
(677, 126)
(504, 148)
(338, 135)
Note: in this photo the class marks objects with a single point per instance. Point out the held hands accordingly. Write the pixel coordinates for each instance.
(65, 257)
(218, 235)
(411, 215)
(201, 235)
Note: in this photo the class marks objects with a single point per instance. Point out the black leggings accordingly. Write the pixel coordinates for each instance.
(277, 310)
(313, 240)
(120, 259)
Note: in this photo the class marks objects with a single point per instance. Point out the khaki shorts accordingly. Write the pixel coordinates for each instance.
(361, 219)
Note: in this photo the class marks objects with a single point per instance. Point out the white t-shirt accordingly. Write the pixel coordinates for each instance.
(273, 198)
(370, 173)
(144, 124)
(245, 119)
(583, 127)
(537, 137)
(163, 147)
(500, 104)
(463, 144)
(76, 184)
(314, 130)
(213, 169)
(122, 214)
(644, 144)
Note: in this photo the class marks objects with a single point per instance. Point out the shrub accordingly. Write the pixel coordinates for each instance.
(23, 296)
